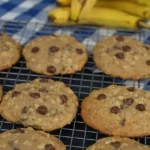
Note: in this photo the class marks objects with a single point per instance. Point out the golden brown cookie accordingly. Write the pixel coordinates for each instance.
(117, 143)
(10, 51)
(29, 139)
(123, 57)
(43, 104)
(53, 55)
(118, 110)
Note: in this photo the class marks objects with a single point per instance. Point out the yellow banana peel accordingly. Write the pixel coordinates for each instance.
(63, 2)
(89, 4)
(141, 2)
(60, 16)
(129, 7)
(112, 18)
(81, 7)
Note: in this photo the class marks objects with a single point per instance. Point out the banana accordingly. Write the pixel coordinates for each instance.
(81, 7)
(144, 2)
(89, 4)
(63, 2)
(141, 2)
(112, 18)
(75, 9)
(129, 7)
(60, 16)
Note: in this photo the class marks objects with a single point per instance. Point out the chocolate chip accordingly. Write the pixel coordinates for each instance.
(131, 89)
(115, 110)
(35, 95)
(35, 49)
(42, 110)
(140, 107)
(120, 38)
(49, 147)
(148, 62)
(63, 98)
(117, 47)
(19, 130)
(15, 93)
(1, 34)
(127, 102)
(101, 96)
(122, 123)
(126, 48)
(43, 90)
(24, 110)
(120, 55)
(44, 80)
(51, 69)
(115, 144)
(53, 49)
(79, 51)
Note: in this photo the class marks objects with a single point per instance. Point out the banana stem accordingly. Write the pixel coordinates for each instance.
(143, 24)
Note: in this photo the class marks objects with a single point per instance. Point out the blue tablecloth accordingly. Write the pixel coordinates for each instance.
(26, 10)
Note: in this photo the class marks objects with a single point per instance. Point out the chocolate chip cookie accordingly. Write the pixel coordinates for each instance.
(53, 55)
(29, 139)
(117, 143)
(118, 110)
(10, 51)
(123, 57)
(43, 104)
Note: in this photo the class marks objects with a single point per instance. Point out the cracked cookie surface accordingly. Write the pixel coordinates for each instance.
(118, 110)
(29, 139)
(43, 104)
(53, 55)
(114, 143)
(10, 51)
(123, 57)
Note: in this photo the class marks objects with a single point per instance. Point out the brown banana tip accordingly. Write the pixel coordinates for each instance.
(59, 4)
(51, 18)
(138, 23)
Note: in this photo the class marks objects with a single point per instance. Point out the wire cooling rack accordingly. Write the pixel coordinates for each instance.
(76, 136)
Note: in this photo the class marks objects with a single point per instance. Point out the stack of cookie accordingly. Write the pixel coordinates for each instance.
(47, 105)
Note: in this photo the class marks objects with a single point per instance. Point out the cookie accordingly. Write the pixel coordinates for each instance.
(10, 51)
(43, 104)
(123, 57)
(118, 110)
(53, 55)
(1, 93)
(29, 139)
(117, 143)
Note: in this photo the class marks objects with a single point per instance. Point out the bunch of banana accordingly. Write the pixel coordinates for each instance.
(108, 13)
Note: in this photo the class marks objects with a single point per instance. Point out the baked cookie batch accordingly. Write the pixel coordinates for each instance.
(47, 105)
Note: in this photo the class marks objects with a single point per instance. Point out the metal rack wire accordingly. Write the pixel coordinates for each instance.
(76, 136)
